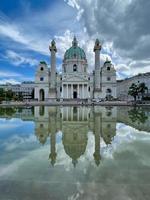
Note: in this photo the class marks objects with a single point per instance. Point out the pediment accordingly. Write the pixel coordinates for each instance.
(75, 78)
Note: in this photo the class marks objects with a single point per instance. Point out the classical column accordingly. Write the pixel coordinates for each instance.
(97, 130)
(82, 113)
(71, 91)
(87, 91)
(53, 154)
(67, 113)
(62, 95)
(78, 91)
(97, 49)
(67, 90)
(82, 91)
(72, 114)
(53, 51)
(78, 112)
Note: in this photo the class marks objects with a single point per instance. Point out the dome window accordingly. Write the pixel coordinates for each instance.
(74, 67)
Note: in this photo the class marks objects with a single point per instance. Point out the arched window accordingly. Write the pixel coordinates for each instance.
(41, 79)
(42, 68)
(74, 67)
(108, 91)
(108, 68)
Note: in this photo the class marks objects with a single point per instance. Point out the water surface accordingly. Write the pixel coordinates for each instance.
(74, 153)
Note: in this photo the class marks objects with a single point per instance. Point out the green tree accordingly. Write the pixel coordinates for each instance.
(2, 94)
(9, 95)
(137, 115)
(133, 91)
(142, 89)
(20, 96)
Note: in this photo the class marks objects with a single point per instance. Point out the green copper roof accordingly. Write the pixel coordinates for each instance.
(107, 61)
(43, 62)
(75, 51)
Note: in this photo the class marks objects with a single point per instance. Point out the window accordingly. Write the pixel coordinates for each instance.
(42, 68)
(89, 89)
(41, 125)
(74, 67)
(108, 125)
(41, 79)
(60, 89)
(108, 68)
(108, 78)
(108, 91)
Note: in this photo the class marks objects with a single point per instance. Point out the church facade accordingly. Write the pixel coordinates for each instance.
(75, 82)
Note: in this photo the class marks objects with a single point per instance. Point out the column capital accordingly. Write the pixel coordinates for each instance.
(97, 45)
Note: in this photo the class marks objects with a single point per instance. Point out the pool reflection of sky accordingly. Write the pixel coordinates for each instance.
(125, 161)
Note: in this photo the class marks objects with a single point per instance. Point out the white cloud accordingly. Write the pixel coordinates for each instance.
(125, 37)
(18, 59)
(9, 74)
(12, 81)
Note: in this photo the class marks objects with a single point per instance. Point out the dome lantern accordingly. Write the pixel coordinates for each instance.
(74, 42)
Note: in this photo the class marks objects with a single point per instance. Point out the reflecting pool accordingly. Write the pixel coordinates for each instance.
(75, 153)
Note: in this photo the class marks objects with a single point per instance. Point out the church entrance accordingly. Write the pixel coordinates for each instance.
(75, 94)
(41, 93)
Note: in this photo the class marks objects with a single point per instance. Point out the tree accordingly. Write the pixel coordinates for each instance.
(133, 91)
(137, 115)
(20, 96)
(2, 94)
(9, 95)
(142, 89)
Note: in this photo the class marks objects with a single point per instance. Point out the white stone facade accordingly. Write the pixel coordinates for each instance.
(75, 82)
(123, 85)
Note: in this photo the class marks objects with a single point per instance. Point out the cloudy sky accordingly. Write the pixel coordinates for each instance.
(28, 26)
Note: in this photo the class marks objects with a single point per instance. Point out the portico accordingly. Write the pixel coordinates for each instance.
(74, 91)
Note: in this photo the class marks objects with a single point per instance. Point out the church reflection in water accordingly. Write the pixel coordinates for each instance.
(75, 123)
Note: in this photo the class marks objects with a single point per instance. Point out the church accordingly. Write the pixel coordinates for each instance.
(75, 82)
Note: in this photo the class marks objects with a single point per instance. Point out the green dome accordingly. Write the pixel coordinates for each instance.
(75, 51)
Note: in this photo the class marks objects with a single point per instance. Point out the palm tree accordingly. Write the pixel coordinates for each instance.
(142, 89)
(133, 91)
